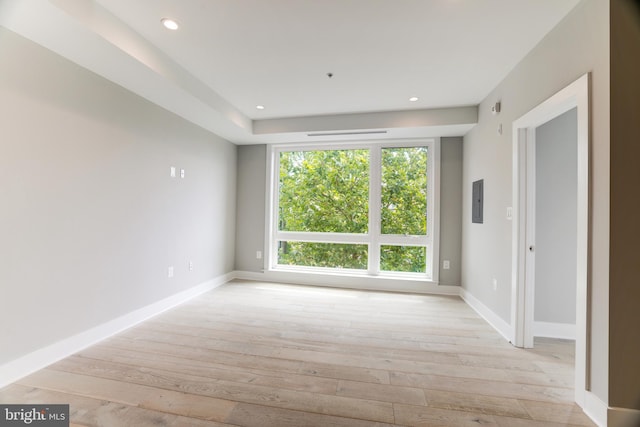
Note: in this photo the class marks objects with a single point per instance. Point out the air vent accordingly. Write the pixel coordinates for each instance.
(363, 132)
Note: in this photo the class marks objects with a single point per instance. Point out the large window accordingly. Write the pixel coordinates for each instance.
(362, 209)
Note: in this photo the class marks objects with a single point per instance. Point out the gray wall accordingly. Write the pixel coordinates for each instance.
(90, 218)
(252, 174)
(251, 207)
(451, 209)
(579, 44)
(624, 351)
(556, 211)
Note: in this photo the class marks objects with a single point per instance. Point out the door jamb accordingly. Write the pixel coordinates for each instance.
(576, 95)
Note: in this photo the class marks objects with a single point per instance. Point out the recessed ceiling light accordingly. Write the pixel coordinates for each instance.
(169, 23)
(413, 99)
(260, 107)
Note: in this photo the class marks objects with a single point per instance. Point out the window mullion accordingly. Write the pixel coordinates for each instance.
(403, 240)
(274, 161)
(375, 200)
(303, 236)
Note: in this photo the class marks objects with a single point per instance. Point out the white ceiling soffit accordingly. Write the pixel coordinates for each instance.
(231, 55)
(85, 33)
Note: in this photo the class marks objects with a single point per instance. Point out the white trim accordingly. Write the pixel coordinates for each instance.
(530, 236)
(487, 314)
(622, 417)
(576, 95)
(596, 409)
(566, 331)
(14, 370)
(352, 238)
(433, 213)
(375, 213)
(338, 280)
(518, 235)
(267, 250)
(301, 236)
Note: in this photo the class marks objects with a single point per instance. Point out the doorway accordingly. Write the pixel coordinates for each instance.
(575, 96)
(554, 239)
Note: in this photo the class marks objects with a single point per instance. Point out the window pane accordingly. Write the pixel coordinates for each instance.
(404, 191)
(403, 258)
(332, 255)
(324, 191)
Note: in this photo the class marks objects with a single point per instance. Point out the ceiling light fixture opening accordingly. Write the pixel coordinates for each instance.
(170, 24)
(260, 107)
(413, 99)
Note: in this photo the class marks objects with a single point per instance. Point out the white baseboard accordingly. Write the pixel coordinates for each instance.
(554, 330)
(14, 370)
(350, 282)
(595, 409)
(249, 275)
(623, 417)
(487, 314)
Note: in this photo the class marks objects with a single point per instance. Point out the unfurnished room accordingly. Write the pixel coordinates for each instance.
(298, 213)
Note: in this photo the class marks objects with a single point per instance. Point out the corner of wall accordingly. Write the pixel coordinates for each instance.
(14, 370)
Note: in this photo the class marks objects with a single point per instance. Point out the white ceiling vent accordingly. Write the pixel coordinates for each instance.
(363, 132)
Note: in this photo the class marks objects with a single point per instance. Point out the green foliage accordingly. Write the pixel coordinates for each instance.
(334, 255)
(324, 191)
(328, 191)
(404, 191)
(403, 258)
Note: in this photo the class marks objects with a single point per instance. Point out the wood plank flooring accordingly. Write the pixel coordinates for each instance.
(256, 354)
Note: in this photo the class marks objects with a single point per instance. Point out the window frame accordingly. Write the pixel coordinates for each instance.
(373, 238)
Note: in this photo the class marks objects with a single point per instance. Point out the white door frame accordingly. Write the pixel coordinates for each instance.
(576, 95)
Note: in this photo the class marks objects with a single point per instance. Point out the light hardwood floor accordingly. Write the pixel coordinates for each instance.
(256, 354)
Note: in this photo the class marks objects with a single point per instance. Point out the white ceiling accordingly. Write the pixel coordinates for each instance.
(230, 55)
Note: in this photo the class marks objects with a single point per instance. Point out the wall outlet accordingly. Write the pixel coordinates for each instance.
(258, 254)
(190, 265)
(509, 213)
(172, 172)
(170, 272)
(446, 265)
(495, 284)
(181, 173)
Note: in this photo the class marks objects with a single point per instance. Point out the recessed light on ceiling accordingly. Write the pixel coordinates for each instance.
(413, 99)
(260, 107)
(169, 24)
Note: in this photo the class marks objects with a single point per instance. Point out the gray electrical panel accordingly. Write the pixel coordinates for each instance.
(478, 200)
